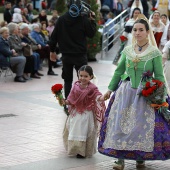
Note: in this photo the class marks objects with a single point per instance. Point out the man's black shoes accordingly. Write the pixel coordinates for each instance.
(51, 73)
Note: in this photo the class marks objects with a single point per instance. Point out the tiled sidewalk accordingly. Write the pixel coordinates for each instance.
(31, 139)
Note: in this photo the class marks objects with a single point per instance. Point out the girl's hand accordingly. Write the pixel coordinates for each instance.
(63, 102)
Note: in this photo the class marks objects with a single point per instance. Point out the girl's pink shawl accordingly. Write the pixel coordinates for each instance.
(82, 99)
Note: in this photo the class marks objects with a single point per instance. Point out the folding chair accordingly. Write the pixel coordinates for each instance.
(6, 71)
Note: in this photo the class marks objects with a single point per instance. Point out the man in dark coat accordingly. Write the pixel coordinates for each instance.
(70, 33)
(7, 12)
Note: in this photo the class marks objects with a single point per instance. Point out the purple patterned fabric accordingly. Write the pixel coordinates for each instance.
(161, 140)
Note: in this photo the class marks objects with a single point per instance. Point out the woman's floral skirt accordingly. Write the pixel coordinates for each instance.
(132, 129)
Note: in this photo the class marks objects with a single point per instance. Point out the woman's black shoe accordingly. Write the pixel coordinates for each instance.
(80, 156)
(35, 76)
(19, 79)
(39, 74)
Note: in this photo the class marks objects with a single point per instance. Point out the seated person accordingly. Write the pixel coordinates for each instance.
(9, 57)
(45, 49)
(32, 61)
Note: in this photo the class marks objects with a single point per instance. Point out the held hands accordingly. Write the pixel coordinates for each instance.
(53, 56)
(107, 95)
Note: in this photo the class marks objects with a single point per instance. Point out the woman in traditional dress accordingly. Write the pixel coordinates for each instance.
(129, 25)
(157, 26)
(132, 129)
(163, 6)
(165, 21)
(166, 61)
(126, 37)
(136, 4)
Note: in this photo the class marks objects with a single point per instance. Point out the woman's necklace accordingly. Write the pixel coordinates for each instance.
(140, 47)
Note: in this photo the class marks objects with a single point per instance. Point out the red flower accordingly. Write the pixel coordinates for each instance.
(153, 9)
(159, 83)
(144, 93)
(88, 45)
(147, 84)
(153, 87)
(150, 91)
(123, 38)
(94, 45)
(56, 88)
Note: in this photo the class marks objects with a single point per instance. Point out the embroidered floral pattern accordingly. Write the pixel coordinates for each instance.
(126, 134)
(148, 54)
(128, 120)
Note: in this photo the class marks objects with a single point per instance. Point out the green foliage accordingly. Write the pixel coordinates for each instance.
(93, 44)
(2, 9)
(60, 6)
(35, 12)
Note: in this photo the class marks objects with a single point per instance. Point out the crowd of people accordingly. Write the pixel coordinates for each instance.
(26, 40)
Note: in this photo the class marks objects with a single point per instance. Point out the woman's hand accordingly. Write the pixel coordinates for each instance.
(23, 44)
(107, 95)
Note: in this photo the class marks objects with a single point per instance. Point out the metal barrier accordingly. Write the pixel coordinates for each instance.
(119, 22)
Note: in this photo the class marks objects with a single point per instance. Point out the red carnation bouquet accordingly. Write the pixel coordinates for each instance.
(154, 91)
(123, 38)
(57, 90)
(153, 9)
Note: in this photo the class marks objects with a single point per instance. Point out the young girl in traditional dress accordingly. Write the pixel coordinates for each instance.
(86, 108)
(132, 129)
